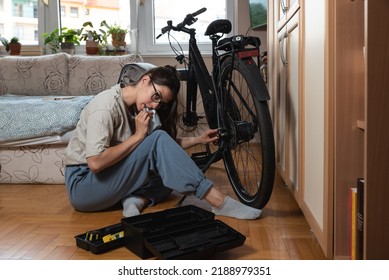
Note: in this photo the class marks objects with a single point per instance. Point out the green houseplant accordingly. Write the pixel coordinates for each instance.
(117, 33)
(52, 40)
(13, 46)
(5, 43)
(64, 38)
(92, 37)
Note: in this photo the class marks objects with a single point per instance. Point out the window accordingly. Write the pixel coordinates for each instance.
(113, 12)
(143, 15)
(155, 14)
(19, 18)
(63, 11)
(24, 9)
(74, 12)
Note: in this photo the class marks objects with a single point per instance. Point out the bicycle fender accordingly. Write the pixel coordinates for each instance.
(251, 71)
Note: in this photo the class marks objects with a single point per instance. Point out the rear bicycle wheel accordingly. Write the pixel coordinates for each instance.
(249, 158)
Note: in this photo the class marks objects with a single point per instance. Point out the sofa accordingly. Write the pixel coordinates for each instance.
(41, 98)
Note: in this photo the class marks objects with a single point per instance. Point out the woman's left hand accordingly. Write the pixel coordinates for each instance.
(210, 135)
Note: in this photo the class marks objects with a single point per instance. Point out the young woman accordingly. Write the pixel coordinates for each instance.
(113, 156)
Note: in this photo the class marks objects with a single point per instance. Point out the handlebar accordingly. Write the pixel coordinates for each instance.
(189, 20)
(202, 10)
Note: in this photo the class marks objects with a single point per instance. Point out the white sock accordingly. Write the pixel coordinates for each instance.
(132, 206)
(235, 209)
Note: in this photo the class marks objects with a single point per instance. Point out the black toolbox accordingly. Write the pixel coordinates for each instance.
(186, 232)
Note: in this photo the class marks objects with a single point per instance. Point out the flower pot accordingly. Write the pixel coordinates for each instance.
(14, 49)
(118, 40)
(67, 47)
(92, 47)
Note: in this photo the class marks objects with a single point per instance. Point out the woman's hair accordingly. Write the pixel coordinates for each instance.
(167, 76)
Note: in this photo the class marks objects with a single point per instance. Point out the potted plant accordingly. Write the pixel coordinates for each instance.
(13, 45)
(68, 39)
(91, 37)
(5, 43)
(64, 38)
(118, 34)
(52, 40)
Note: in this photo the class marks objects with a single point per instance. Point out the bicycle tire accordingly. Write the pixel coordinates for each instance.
(249, 158)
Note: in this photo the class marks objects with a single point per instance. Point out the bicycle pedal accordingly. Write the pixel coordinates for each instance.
(200, 155)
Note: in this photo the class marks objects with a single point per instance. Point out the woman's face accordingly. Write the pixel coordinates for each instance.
(153, 96)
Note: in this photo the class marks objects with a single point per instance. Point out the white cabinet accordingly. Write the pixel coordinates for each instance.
(279, 101)
(284, 10)
(286, 97)
(297, 88)
(293, 99)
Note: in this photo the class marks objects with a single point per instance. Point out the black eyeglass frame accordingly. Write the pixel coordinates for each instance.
(157, 97)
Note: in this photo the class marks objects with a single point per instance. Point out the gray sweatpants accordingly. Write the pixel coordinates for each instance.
(157, 156)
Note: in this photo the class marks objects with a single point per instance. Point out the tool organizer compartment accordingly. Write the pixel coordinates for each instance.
(195, 242)
(137, 228)
(112, 234)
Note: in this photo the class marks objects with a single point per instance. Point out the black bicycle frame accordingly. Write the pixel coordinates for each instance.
(197, 74)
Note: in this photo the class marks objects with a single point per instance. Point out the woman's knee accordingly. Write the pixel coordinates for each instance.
(160, 134)
(159, 139)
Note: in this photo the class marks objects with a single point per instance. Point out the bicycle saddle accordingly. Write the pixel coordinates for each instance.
(218, 26)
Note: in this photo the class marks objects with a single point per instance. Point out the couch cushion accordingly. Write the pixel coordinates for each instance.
(90, 76)
(35, 75)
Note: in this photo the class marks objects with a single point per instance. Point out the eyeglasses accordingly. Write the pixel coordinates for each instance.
(158, 98)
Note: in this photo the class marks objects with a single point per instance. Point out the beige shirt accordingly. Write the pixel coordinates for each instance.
(103, 123)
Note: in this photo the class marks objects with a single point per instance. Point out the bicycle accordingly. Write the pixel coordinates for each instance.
(233, 100)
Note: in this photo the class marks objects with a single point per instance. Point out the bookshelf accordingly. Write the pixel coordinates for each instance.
(347, 81)
(376, 147)
(361, 134)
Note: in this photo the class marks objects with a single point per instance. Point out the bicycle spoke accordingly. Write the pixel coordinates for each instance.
(244, 104)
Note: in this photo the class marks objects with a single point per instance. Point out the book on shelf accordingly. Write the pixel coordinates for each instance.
(353, 223)
(360, 216)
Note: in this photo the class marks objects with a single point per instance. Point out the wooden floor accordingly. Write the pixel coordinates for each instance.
(37, 222)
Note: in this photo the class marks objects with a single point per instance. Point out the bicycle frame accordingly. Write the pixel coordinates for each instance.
(197, 74)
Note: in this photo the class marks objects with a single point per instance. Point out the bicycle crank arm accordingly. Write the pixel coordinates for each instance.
(204, 159)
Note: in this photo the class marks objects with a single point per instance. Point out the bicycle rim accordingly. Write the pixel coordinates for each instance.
(249, 158)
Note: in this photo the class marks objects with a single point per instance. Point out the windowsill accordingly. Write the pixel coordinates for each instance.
(80, 50)
(169, 54)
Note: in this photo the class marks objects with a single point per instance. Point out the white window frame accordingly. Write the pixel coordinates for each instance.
(145, 20)
(48, 18)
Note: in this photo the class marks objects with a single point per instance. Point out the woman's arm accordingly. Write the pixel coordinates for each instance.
(116, 153)
(208, 136)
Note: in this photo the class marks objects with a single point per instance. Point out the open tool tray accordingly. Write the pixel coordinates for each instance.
(186, 232)
(98, 246)
(195, 242)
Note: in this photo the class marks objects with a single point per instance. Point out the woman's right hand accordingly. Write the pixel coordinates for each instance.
(142, 123)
